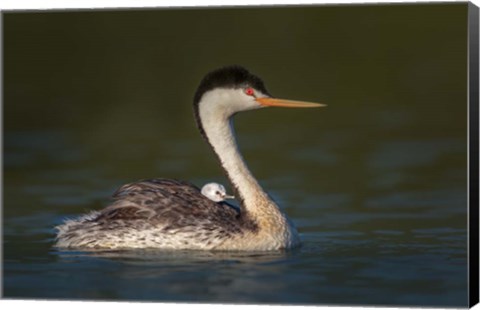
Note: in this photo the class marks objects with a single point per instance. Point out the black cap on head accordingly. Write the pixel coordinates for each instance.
(228, 77)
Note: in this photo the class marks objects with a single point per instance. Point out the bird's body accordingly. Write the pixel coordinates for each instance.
(171, 214)
(162, 213)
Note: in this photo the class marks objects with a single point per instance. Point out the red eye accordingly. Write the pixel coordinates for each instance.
(249, 91)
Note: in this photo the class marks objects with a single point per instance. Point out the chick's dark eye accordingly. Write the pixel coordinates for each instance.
(249, 91)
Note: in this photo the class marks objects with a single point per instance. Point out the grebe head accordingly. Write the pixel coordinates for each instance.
(215, 192)
(233, 89)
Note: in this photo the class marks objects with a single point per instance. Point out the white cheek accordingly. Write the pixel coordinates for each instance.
(223, 103)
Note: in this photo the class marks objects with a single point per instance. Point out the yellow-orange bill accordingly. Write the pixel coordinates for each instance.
(275, 102)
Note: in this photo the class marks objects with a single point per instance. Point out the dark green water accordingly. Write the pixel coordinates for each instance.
(375, 182)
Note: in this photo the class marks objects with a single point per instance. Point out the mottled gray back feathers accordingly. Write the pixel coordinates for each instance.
(149, 210)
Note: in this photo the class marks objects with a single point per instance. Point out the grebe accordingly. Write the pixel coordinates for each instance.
(172, 214)
(216, 192)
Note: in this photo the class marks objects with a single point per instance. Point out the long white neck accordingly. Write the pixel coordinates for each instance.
(218, 127)
(214, 114)
(221, 136)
